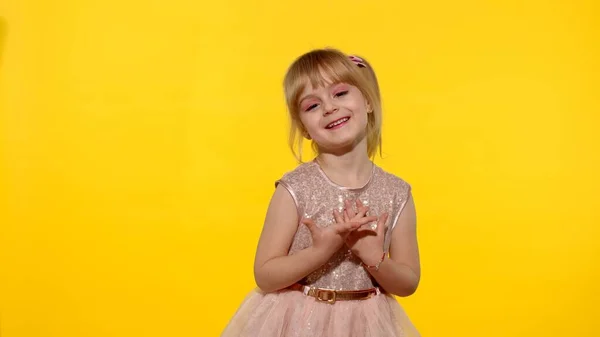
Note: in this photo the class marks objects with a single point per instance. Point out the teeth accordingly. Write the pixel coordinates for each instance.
(337, 122)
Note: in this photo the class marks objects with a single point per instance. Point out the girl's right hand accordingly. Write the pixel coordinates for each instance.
(331, 238)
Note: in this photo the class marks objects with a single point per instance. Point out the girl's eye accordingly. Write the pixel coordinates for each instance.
(310, 107)
(341, 93)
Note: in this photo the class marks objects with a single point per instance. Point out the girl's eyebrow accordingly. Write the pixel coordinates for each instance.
(305, 97)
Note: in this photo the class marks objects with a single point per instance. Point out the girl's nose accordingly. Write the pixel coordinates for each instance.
(329, 108)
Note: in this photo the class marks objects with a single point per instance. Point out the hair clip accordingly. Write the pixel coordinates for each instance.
(358, 61)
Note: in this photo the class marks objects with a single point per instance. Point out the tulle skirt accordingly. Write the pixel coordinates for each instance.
(290, 313)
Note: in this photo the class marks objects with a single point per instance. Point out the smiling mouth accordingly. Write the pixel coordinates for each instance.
(337, 123)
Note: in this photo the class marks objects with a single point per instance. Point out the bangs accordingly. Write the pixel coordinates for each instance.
(318, 69)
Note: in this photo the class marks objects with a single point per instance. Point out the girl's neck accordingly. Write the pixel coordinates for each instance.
(351, 169)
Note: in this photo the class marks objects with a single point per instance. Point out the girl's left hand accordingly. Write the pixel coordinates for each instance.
(367, 241)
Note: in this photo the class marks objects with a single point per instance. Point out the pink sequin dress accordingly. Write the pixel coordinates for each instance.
(290, 313)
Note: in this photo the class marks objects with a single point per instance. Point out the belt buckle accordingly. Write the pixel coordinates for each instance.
(326, 295)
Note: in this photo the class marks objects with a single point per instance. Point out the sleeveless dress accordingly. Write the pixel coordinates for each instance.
(290, 313)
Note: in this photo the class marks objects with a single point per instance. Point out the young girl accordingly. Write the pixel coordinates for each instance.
(339, 238)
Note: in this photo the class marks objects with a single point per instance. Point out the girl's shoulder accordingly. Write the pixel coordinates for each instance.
(391, 180)
(303, 173)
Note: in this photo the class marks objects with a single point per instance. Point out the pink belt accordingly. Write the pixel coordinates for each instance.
(331, 295)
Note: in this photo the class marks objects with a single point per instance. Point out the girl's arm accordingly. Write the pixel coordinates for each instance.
(274, 269)
(400, 274)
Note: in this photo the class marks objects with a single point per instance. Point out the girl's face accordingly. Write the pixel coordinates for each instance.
(334, 116)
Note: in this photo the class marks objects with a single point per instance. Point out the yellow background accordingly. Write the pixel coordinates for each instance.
(140, 141)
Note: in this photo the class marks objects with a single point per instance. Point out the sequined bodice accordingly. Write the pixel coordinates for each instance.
(316, 197)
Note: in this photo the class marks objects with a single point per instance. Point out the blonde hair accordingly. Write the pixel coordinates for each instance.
(315, 68)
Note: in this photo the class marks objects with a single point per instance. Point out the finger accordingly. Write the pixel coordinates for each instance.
(346, 227)
(353, 225)
(338, 217)
(360, 206)
(377, 228)
(349, 209)
(366, 230)
(366, 220)
(348, 215)
(312, 227)
(362, 212)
